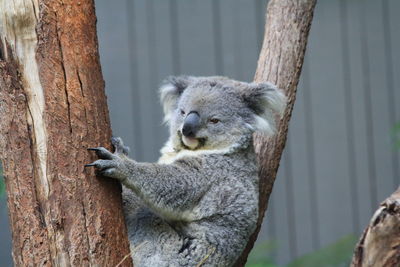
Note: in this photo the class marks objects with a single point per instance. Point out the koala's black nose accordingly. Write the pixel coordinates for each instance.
(191, 124)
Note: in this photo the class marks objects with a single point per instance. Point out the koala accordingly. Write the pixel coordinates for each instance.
(198, 205)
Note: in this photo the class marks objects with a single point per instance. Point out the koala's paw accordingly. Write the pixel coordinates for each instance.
(114, 165)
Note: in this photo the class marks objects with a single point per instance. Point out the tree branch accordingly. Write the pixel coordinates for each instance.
(287, 26)
(379, 245)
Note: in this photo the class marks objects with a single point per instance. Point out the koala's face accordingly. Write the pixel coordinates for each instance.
(216, 112)
(209, 116)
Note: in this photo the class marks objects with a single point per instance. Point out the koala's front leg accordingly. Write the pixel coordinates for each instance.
(114, 165)
(170, 190)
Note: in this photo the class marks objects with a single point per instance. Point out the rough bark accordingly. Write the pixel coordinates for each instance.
(379, 245)
(52, 107)
(287, 26)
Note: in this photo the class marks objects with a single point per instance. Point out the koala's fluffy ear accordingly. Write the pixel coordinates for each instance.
(266, 100)
(170, 91)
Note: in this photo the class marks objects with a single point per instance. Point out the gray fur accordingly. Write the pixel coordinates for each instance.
(199, 204)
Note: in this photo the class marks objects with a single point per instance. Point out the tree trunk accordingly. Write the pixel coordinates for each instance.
(287, 26)
(379, 245)
(52, 107)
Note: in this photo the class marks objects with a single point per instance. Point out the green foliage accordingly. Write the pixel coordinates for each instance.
(261, 255)
(396, 135)
(335, 254)
(338, 253)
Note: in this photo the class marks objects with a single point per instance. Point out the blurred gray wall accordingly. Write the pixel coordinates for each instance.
(339, 161)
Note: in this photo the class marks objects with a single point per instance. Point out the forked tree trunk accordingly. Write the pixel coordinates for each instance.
(287, 26)
(379, 245)
(52, 107)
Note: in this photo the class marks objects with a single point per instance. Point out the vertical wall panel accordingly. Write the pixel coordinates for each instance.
(379, 97)
(349, 118)
(227, 32)
(260, 10)
(116, 65)
(358, 94)
(303, 212)
(281, 219)
(392, 56)
(164, 65)
(327, 100)
(196, 42)
(368, 108)
(311, 160)
(175, 37)
(240, 37)
(290, 208)
(245, 39)
(145, 99)
(394, 7)
(154, 76)
(137, 147)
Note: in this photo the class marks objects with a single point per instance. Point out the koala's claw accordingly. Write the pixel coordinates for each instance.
(106, 167)
(111, 164)
(102, 164)
(119, 146)
(102, 153)
(89, 165)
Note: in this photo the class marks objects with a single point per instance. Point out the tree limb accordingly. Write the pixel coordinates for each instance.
(287, 26)
(379, 245)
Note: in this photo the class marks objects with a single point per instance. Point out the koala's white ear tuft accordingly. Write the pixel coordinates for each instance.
(266, 100)
(170, 91)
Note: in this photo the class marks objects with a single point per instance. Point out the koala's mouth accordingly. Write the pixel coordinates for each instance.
(191, 143)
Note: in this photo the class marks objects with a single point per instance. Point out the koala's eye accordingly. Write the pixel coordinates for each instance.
(214, 120)
(182, 112)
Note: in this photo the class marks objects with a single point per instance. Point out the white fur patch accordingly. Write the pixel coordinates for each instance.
(267, 127)
(168, 96)
(197, 153)
(169, 155)
(274, 101)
